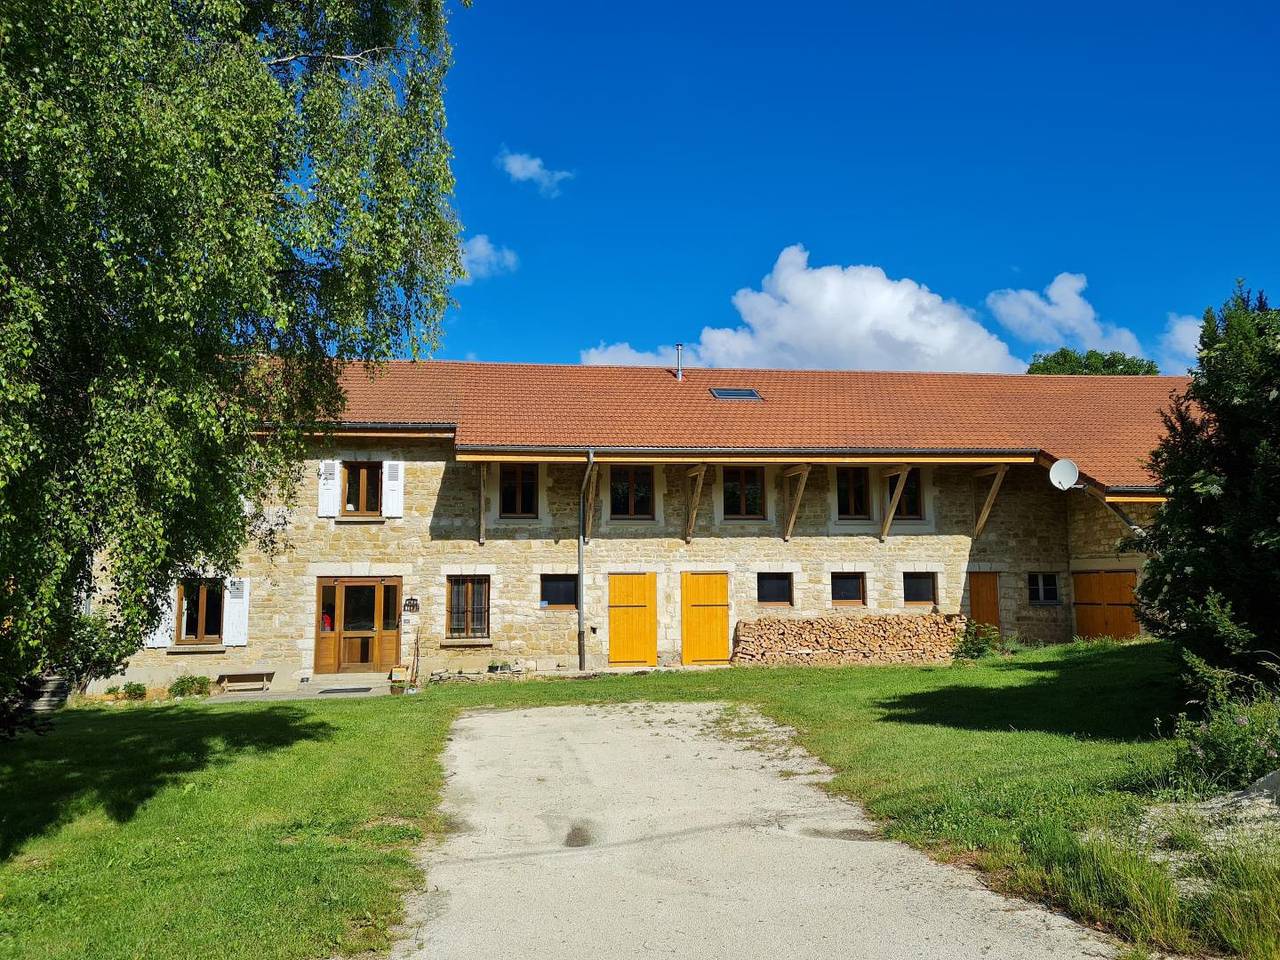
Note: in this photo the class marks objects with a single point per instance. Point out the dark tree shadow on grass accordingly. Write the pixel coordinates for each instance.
(119, 760)
(1108, 692)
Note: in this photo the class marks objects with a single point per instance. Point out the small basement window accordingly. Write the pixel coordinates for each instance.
(559, 591)
(1042, 589)
(735, 393)
(921, 588)
(849, 589)
(774, 588)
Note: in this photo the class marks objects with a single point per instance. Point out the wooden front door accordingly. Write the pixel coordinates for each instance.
(984, 598)
(633, 619)
(704, 617)
(1104, 603)
(357, 624)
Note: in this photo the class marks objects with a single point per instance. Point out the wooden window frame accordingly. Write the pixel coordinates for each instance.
(1035, 585)
(365, 468)
(865, 473)
(742, 493)
(933, 577)
(380, 629)
(520, 469)
(630, 473)
(200, 639)
(471, 579)
(901, 513)
(791, 588)
(862, 578)
(542, 579)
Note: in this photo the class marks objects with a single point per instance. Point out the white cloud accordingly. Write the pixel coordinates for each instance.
(1061, 316)
(852, 317)
(524, 167)
(1179, 343)
(481, 258)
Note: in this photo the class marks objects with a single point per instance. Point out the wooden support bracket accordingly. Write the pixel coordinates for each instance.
(593, 487)
(484, 487)
(997, 478)
(693, 496)
(801, 475)
(892, 508)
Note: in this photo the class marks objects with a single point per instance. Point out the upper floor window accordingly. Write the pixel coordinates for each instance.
(631, 493)
(200, 611)
(853, 493)
(361, 488)
(911, 504)
(1042, 588)
(518, 490)
(744, 493)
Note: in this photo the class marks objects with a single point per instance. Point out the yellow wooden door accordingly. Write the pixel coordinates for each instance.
(1104, 604)
(704, 617)
(633, 619)
(984, 598)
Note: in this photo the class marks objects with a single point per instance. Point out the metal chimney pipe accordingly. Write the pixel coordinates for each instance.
(679, 361)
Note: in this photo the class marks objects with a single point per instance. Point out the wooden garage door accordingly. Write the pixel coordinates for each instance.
(1104, 603)
(704, 617)
(633, 619)
(984, 598)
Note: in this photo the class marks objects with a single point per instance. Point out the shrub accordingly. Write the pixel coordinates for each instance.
(1236, 740)
(188, 685)
(113, 691)
(134, 691)
(978, 640)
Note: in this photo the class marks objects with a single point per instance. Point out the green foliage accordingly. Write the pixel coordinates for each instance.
(205, 210)
(1212, 583)
(978, 640)
(1092, 362)
(134, 691)
(1235, 740)
(112, 690)
(189, 685)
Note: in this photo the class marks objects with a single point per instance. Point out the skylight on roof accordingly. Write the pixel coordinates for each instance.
(735, 393)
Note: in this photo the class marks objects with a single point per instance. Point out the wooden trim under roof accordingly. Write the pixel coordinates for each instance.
(499, 456)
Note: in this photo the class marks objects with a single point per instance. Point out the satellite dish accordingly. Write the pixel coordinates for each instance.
(1064, 474)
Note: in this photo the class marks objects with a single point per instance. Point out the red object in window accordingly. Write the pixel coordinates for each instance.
(326, 621)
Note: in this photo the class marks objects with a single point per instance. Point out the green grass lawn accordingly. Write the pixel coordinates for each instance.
(285, 829)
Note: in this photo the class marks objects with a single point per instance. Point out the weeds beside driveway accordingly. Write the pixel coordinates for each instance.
(285, 830)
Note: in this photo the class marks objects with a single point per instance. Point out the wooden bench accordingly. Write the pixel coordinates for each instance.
(246, 680)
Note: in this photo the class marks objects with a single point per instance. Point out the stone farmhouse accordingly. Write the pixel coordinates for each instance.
(466, 514)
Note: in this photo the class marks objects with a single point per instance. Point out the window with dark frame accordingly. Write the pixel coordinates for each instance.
(518, 491)
(200, 611)
(853, 488)
(774, 588)
(631, 493)
(920, 588)
(744, 493)
(1042, 589)
(361, 488)
(559, 591)
(467, 616)
(911, 504)
(849, 589)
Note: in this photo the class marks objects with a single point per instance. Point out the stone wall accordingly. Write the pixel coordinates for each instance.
(832, 641)
(437, 536)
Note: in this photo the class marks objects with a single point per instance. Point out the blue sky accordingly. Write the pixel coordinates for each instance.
(836, 185)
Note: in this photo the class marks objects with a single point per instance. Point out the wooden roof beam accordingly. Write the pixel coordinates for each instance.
(887, 522)
(800, 473)
(693, 496)
(997, 478)
(593, 489)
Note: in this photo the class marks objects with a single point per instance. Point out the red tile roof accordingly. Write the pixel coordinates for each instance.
(1108, 425)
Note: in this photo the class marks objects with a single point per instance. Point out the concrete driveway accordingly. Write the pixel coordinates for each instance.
(638, 831)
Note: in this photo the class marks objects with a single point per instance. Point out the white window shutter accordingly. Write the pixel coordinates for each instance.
(328, 506)
(163, 634)
(393, 488)
(235, 612)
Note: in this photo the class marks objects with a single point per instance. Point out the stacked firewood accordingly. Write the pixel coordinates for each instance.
(924, 638)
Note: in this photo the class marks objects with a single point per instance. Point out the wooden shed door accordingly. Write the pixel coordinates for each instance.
(704, 617)
(633, 619)
(1104, 603)
(984, 598)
